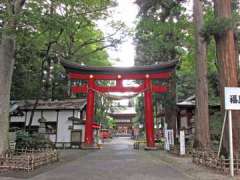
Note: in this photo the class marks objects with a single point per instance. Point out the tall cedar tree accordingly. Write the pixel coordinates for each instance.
(202, 135)
(226, 59)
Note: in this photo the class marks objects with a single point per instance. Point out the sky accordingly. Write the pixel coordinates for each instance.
(126, 12)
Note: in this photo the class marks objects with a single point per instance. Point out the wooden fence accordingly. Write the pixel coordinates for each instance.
(27, 160)
(175, 149)
(210, 159)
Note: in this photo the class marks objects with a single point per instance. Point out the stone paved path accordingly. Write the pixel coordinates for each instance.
(116, 161)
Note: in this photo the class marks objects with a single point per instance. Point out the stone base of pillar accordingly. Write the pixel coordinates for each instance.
(90, 146)
(150, 148)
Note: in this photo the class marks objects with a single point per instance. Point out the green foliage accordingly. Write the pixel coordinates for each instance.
(50, 31)
(163, 39)
(110, 123)
(35, 141)
(139, 118)
(102, 107)
(217, 27)
(26, 77)
(216, 122)
(164, 29)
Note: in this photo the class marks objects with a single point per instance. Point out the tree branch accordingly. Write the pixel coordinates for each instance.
(18, 6)
(96, 50)
(93, 41)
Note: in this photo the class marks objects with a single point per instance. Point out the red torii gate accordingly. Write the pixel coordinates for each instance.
(146, 73)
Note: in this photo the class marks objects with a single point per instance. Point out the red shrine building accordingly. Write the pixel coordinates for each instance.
(124, 120)
(85, 80)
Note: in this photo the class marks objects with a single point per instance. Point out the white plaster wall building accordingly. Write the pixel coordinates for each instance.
(63, 121)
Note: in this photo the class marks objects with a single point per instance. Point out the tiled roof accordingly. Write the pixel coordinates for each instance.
(48, 105)
(163, 66)
(123, 111)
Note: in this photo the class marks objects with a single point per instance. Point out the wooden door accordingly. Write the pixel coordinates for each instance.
(76, 138)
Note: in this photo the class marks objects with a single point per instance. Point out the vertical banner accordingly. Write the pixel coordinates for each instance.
(166, 142)
(169, 138)
(182, 143)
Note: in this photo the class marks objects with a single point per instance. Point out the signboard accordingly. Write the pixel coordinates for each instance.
(232, 102)
(232, 98)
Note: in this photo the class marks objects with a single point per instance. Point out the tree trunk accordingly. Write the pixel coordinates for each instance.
(226, 59)
(170, 107)
(29, 127)
(7, 53)
(202, 135)
(236, 53)
(6, 68)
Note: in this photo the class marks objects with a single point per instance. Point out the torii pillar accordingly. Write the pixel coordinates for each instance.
(90, 112)
(149, 121)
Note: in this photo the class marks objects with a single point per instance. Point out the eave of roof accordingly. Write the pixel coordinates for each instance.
(161, 67)
(70, 104)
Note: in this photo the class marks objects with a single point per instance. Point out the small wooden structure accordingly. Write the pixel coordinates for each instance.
(186, 115)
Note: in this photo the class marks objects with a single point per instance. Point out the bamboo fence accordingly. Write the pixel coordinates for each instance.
(27, 160)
